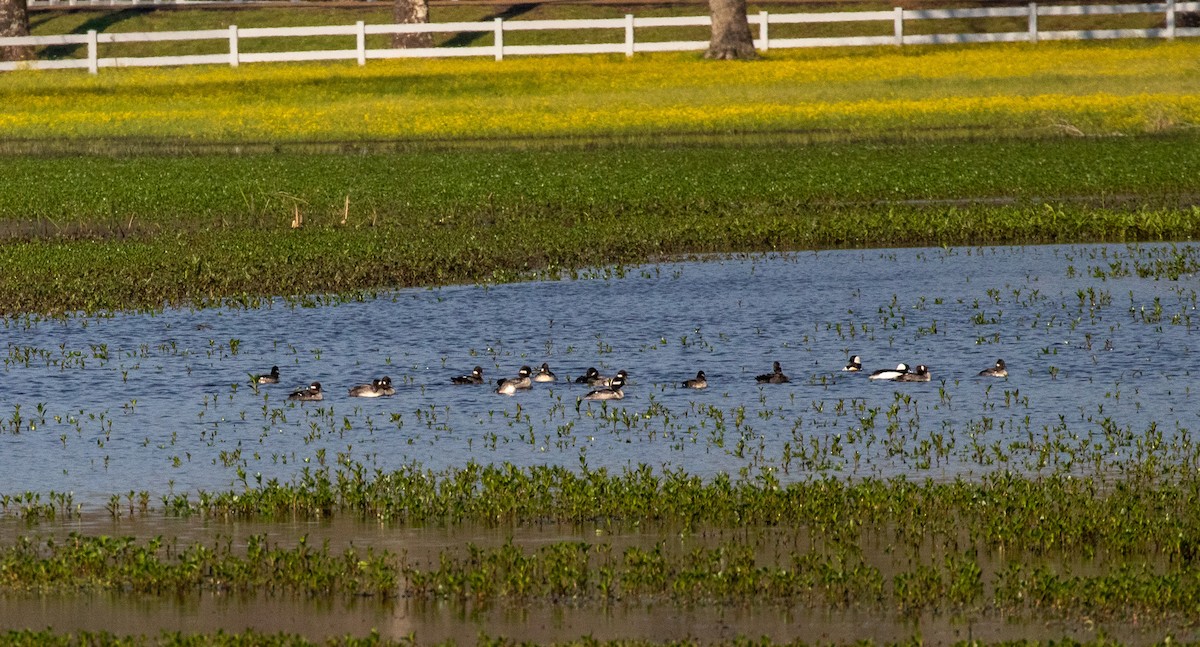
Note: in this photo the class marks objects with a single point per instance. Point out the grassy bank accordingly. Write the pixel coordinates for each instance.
(96, 233)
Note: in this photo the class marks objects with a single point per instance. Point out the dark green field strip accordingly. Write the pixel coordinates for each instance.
(100, 195)
(242, 267)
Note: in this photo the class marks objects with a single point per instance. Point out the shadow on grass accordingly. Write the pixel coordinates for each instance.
(99, 23)
(465, 39)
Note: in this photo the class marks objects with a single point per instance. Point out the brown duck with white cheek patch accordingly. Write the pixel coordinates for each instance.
(918, 374)
(518, 383)
(475, 377)
(310, 394)
(999, 369)
(614, 391)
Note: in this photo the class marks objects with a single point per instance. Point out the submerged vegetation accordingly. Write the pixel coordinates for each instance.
(1006, 544)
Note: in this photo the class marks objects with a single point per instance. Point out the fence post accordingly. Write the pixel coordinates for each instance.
(499, 39)
(93, 53)
(1171, 19)
(628, 35)
(361, 42)
(1033, 26)
(233, 46)
(899, 26)
(763, 37)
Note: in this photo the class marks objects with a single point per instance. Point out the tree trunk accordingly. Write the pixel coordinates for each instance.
(407, 12)
(731, 37)
(14, 21)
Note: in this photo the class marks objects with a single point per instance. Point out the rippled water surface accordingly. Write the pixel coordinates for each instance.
(1100, 359)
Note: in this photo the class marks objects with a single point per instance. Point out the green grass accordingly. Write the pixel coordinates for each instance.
(90, 233)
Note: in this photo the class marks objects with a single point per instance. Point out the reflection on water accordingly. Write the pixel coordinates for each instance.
(163, 402)
(560, 621)
(440, 623)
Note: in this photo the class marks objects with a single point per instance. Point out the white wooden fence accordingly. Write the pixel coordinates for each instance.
(628, 25)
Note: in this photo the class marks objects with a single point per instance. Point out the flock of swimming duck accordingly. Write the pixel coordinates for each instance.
(605, 388)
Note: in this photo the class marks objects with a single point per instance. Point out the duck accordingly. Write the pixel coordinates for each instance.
(475, 377)
(611, 392)
(371, 390)
(544, 374)
(310, 394)
(385, 385)
(512, 385)
(608, 381)
(855, 365)
(889, 373)
(698, 382)
(377, 388)
(588, 376)
(774, 377)
(999, 369)
(269, 378)
(918, 374)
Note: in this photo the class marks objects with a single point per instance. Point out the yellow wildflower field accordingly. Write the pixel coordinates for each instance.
(1089, 88)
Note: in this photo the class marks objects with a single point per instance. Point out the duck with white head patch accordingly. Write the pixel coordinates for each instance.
(544, 374)
(311, 394)
(474, 377)
(889, 373)
(519, 383)
(614, 390)
(918, 374)
(999, 369)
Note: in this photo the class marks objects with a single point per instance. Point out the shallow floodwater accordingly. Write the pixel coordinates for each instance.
(1098, 339)
(1100, 361)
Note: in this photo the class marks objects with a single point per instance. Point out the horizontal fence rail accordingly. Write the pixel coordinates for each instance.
(356, 35)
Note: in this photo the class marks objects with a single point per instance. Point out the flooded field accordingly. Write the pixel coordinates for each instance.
(1099, 362)
(129, 412)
